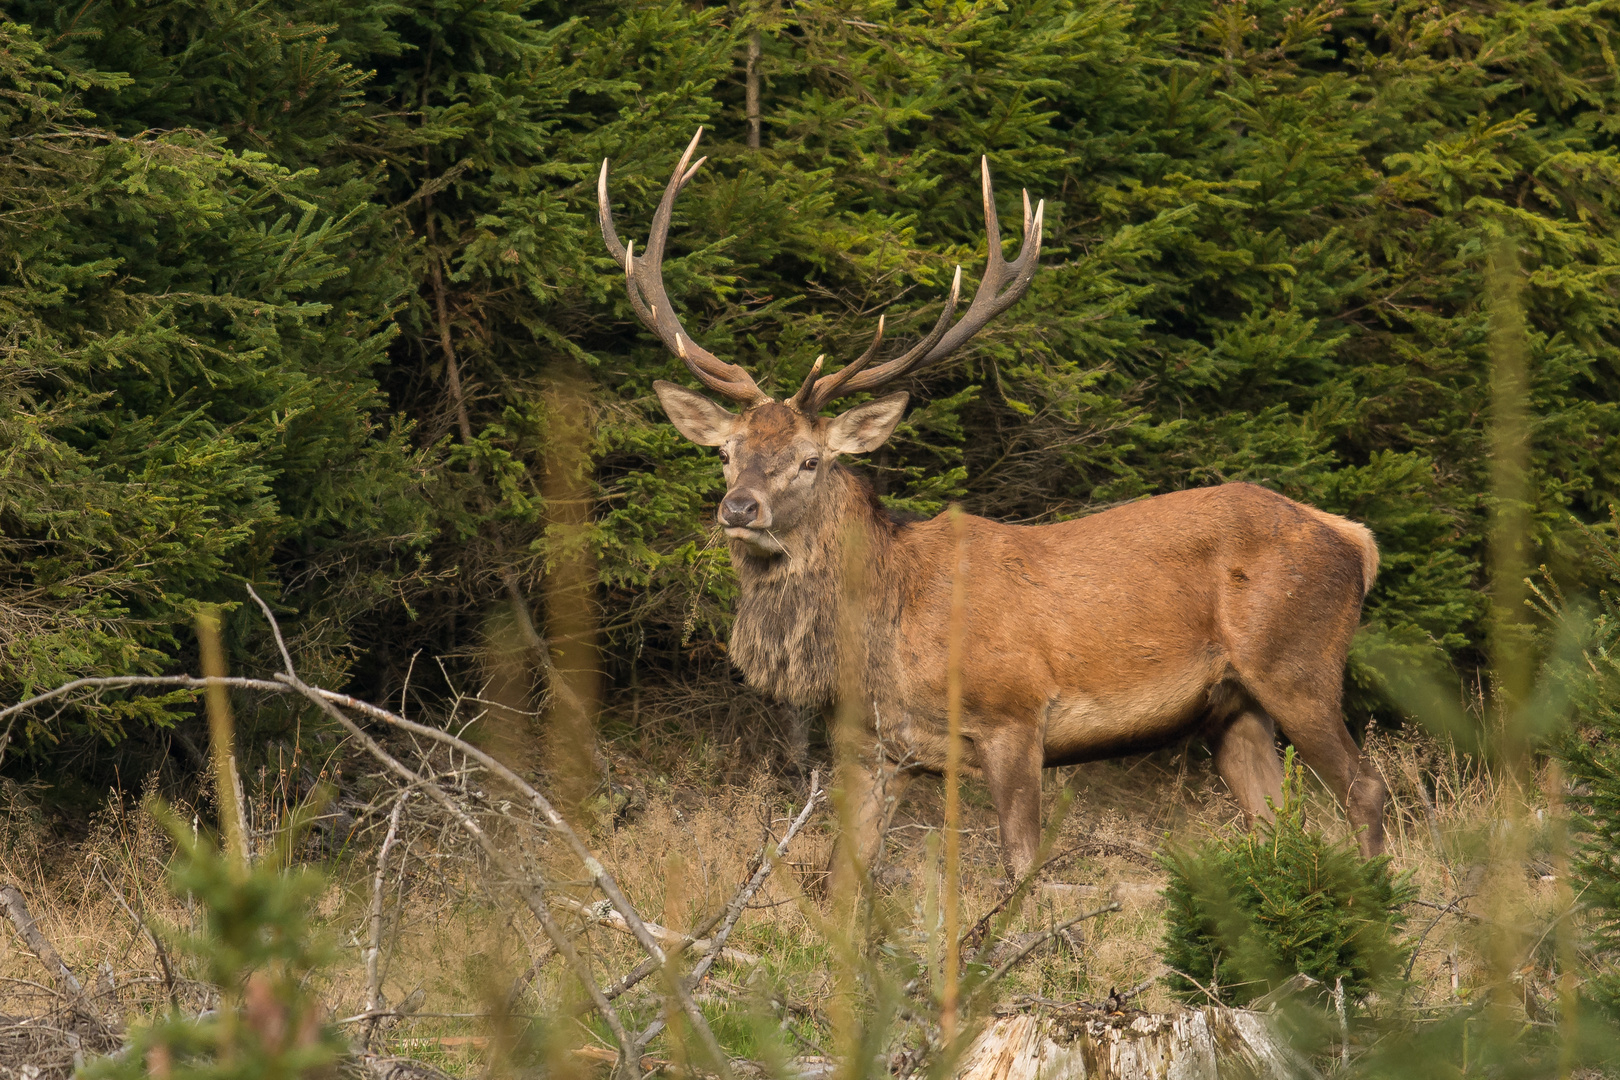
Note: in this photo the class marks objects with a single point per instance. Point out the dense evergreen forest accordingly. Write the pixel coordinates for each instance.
(307, 294)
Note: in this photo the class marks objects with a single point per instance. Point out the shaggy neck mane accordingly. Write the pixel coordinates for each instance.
(785, 638)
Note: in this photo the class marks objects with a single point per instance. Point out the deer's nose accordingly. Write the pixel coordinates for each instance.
(738, 508)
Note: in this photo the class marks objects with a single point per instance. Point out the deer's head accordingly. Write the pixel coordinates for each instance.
(777, 455)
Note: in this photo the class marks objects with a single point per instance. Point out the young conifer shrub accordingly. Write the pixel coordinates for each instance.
(257, 949)
(1250, 910)
(1590, 753)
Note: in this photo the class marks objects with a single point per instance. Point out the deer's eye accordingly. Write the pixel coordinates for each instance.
(810, 464)
(725, 458)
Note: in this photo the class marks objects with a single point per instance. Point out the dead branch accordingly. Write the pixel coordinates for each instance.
(157, 944)
(599, 874)
(746, 893)
(534, 893)
(602, 914)
(11, 898)
(1041, 939)
(374, 1003)
(739, 902)
(522, 982)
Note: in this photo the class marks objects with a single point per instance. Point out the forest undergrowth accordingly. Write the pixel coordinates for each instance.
(678, 825)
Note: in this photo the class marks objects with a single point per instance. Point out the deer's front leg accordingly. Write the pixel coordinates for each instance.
(1011, 757)
(870, 788)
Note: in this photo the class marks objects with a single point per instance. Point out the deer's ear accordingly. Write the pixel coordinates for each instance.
(866, 427)
(694, 415)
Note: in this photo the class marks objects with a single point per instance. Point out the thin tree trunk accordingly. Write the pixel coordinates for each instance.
(452, 370)
(752, 83)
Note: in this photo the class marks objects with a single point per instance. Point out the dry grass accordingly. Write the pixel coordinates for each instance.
(679, 834)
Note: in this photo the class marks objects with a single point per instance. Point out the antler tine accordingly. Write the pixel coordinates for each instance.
(806, 392)
(604, 213)
(644, 281)
(1002, 286)
(814, 395)
(913, 357)
(992, 222)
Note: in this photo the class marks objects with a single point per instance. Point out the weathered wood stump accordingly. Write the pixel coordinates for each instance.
(1084, 1042)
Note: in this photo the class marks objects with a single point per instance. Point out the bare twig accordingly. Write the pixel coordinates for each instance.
(1289, 986)
(522, 982)
(11, 898)
(157, 944)
(1450, 907)
(1206, 990)
(1041, 939)
(739, 902)
(538, 645)
(452, 369)
(275, 628)
(1139, 988)
(746, 893)
(374, 952)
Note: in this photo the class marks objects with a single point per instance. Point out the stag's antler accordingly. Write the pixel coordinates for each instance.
(644, 279)
(1003, 285)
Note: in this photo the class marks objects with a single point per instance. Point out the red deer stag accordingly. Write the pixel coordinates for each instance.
(1223, 611)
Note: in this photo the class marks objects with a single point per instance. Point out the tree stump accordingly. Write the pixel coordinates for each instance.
(1084, 1042)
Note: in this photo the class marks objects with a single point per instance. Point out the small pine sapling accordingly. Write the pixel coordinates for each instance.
(1251, 910)
(257, 949)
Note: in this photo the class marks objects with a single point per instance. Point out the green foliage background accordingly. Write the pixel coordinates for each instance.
(1266, 246)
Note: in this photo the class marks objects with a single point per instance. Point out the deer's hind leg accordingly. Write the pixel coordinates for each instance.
(1288, 634)
(1011, 756)
(1245, 750)
(1305, 703)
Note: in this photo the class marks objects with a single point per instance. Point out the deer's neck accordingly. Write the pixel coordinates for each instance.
(785, 639)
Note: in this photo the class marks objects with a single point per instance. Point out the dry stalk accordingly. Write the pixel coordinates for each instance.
(222, 739)
(953, 778)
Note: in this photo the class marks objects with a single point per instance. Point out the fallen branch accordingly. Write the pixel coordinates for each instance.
(11, 898)
(536, 895)
(602, 914)
(739, 902)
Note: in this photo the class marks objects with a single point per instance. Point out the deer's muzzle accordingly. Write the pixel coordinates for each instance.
(739, 510)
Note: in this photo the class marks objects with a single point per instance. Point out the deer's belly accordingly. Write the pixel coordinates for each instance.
(1083, 726)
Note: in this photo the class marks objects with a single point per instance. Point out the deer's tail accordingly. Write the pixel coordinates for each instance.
(1359, 537)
